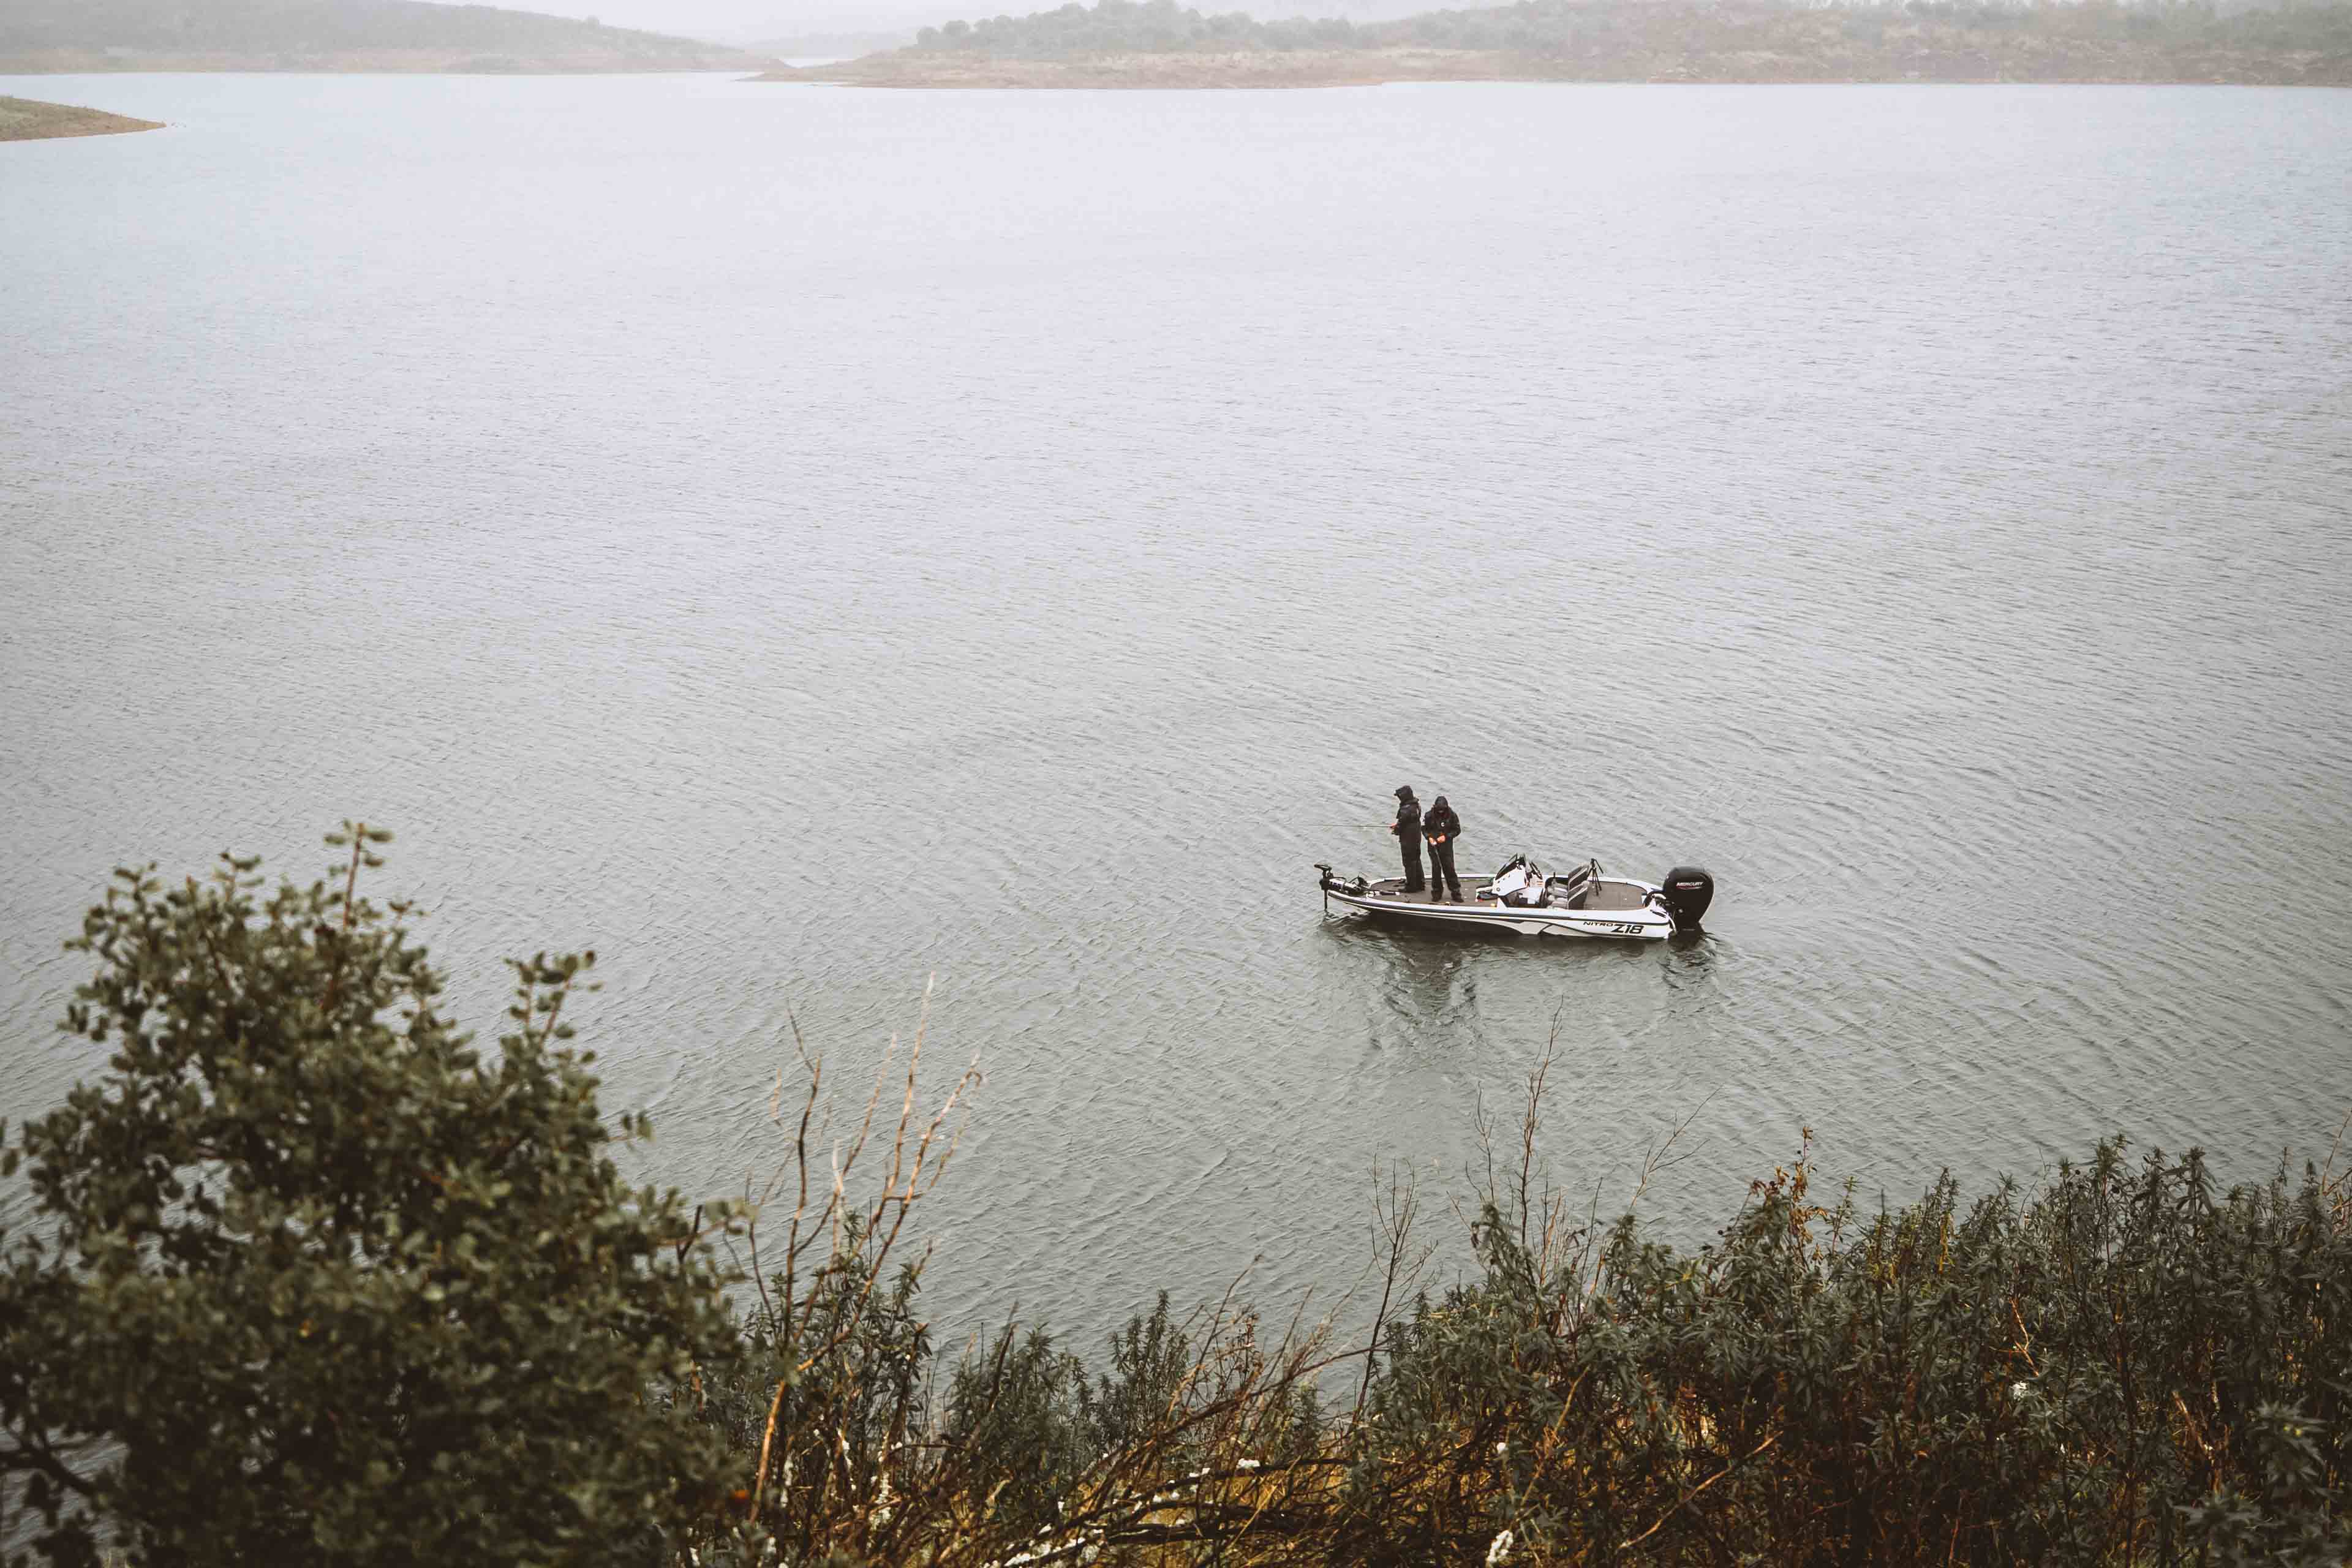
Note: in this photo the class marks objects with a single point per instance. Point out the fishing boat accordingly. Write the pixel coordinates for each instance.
(1521, 898)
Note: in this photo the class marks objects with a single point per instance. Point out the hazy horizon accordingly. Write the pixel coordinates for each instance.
(848, 26)
(753, 21)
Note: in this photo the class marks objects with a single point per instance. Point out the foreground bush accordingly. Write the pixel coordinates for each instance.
(324, 1286)
(2122, 1366)
(2125, 1366)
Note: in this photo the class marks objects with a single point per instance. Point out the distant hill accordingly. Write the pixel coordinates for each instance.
(368, 35)
(1158, 43)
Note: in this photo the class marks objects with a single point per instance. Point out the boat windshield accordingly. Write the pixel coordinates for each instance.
(1520, 883)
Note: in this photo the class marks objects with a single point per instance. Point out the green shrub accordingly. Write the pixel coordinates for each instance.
(317, 1282)
(2121, 1367)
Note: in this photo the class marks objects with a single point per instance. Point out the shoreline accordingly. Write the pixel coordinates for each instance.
(33, 119)
(381, 62)
(1921, 60)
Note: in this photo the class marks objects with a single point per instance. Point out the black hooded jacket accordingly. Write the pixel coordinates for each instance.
(1407, 826)
(1441, 822)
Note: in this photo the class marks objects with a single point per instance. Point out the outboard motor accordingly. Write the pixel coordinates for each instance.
(1688, 892)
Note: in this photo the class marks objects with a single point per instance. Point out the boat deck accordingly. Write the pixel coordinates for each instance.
(1606, 894)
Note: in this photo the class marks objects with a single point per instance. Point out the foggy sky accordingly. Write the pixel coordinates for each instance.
(747, 21)
(732, 21)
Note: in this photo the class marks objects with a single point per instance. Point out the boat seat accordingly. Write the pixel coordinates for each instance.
(1569, 892)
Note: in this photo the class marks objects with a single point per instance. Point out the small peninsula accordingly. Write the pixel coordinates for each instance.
(1156, 44)
(30, 120)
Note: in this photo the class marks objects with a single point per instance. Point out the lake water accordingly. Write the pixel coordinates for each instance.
(799, 542)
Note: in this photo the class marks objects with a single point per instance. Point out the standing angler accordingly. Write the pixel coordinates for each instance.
(1407, 829)
(1443, 827)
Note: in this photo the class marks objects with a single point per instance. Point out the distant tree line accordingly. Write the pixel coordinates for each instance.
(1546, 27)
(314, 1279)
(1131, 26)
(1539, 26)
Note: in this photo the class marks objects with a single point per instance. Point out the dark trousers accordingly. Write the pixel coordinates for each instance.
(1441, 870)
(1412, 863)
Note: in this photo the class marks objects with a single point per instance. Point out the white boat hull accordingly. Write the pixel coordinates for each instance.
(1644, 920)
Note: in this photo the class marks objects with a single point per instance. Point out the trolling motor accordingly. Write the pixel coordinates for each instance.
(1330, 884)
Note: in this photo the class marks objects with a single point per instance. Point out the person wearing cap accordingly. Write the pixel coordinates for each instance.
(1407, 829)
(1442, 828)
